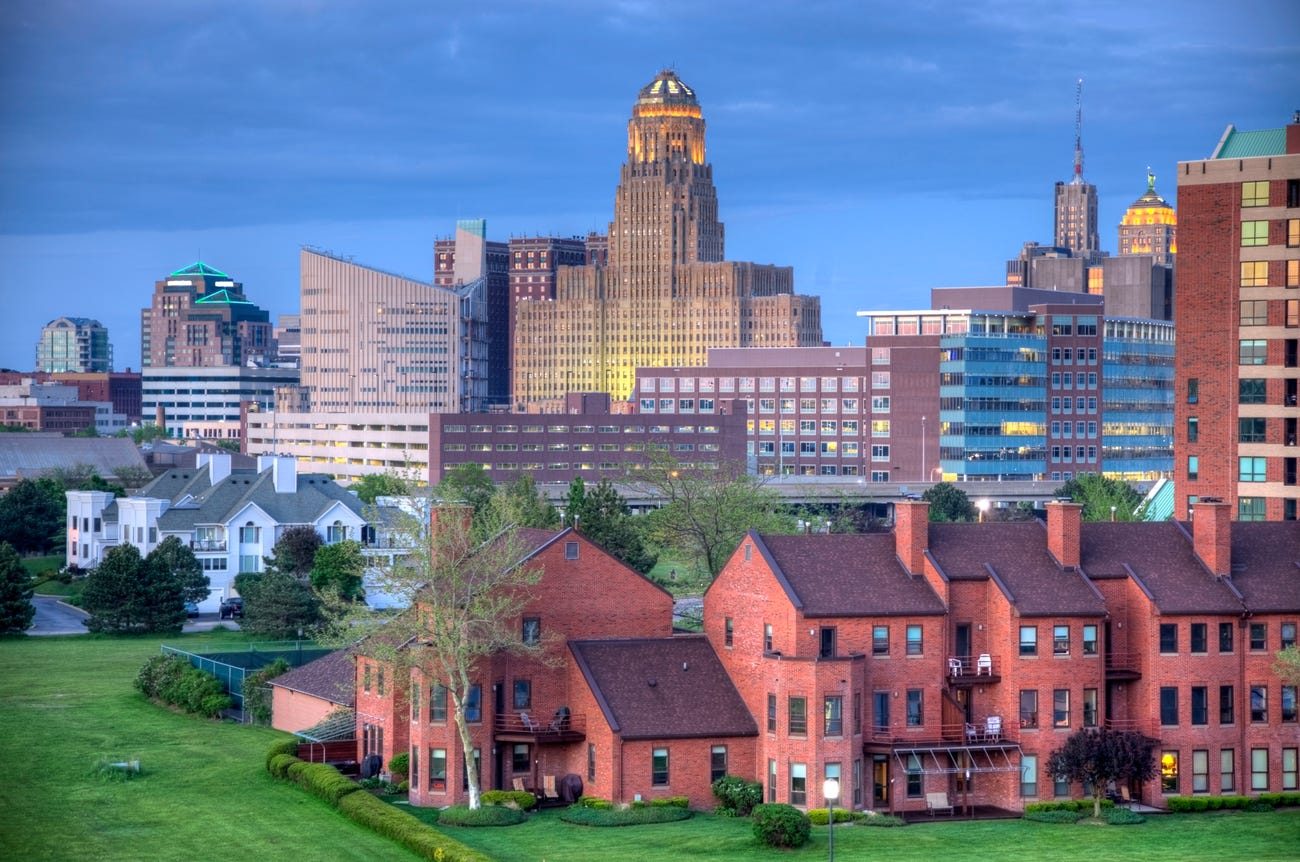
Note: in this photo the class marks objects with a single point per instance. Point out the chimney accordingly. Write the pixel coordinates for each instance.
(450, 532)
(218, 464)
(284, 472)
(1293, 134)
(1063, 521)
(1212, 535)
(912, 534)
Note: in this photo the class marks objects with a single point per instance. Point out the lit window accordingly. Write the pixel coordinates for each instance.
(1254, 233)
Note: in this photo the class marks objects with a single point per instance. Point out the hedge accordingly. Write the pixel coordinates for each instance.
(885, 820)
(1059, 815)
(1123, 817)
(521, 799)
(326, 782)
(282, 746)
(175, 681)
(592, 815)
(487, 815)
(280, 763)
(383, 819)
(820, 816)
(1196, 804)
(1084, 805)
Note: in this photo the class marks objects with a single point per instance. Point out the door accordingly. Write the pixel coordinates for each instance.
(879, 781)
(827, 642)
(963, 645)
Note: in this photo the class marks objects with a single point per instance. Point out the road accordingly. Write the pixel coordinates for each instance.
(53, 617)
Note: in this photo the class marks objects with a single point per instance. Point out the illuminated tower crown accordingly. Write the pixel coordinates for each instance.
(1149, 225)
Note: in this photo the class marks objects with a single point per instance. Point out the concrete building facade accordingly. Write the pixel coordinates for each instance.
(74, 344)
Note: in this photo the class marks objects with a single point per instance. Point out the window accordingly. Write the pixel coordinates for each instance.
(880, 452)
(1254, 194)
(591, 762)
(365, 679)
(1254, 233)
(520, 759)
(1227, 705)
(1288, 635)
(798, 715)
(1199, 638)
(532, 631)
(1225, 637)
(1169, 705)
(1252, 391)
(570, 550)
(1029, 775)
(474, 703)
(1193, 429)
(771, 713)
(880, 711)
(717, 762)
(771, 780)
(1061, 707)
(798, 783)
(1029, 708)
(1200, 705)
(1200, 771)
(1288, 703)
(1227, 770)
(1252, 351)
(1292, 232)
(1250, 508)
(1060, 640)
(1293, 273)
(729, 631)
(1259, 703)
(915, 707)
(1258, 637)
(1251, 469)
(414, 696)
(523, 693)
(1168, 637)
(1028, 640)
(250, 534)
(832, 770)
(914, 645)
(767, 633)
(1289, 768)
(659, 767)
(1259, 769)
(1090, 707)
(826, 647)
(857, 783)
(1169, 772)
(1254, 273)
(1193, 389)
(880, 640)
(915, 777)
(335, 532)
(1090, 640)
(833, 721)
(437, 702)
(879, 427)
(438, 769)
(1254, 312)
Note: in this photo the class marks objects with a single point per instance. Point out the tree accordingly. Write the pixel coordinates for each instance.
(31, 515)
(603, 516)
(176, 558)
(1100, 495)
(576, 497)
(1287, 665)
(466, 483)
(337, 570)
(132, 476)
(521, 504)
(88, 431)
(127, 593)
(463, 598)
(373, 485)
(294, 553)
(1095, 756)
(949, 503)
(707, 512)
(16, 609)
(231, 446)
(277, 604)
(148, 432)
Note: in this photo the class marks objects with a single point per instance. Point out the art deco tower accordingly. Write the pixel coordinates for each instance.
(1149, 226)
(666, 294)
(1076, 201)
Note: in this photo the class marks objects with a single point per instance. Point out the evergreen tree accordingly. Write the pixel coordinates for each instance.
(295, 552)
(521, 504)
(277, 604)
(949, 503)
(16, 609)
(177, 558)
(31, 515)
(337, 570)
(603, 516)
(109, 595)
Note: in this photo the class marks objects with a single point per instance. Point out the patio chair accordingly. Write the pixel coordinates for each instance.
(993, 727)
(548, 787)
(984, 665)
(560, 722)
(955, 667)
(529, 725)
(937, 801)
(972, 733)
(1125, 798)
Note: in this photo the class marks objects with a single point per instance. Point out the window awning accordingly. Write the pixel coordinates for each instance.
(958, 759)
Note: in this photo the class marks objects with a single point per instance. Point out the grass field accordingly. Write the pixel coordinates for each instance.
(204, 795)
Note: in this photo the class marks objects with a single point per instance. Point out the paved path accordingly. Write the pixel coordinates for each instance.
(53, 617)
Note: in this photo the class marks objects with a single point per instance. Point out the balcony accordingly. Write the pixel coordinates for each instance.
(211, 545)
(1122, 666)
(969, 670)
(987, 731)
(562, 727)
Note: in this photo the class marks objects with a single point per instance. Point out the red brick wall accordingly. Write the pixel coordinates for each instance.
(1212, 534)
(1063, 521)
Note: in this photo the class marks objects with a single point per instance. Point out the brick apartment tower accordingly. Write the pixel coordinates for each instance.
(199, 317)
(665, 294)
(1238, 322)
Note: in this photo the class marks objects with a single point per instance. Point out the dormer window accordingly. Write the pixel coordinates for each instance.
(335, 532)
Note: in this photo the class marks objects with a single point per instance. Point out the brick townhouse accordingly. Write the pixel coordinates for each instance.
(937, 658)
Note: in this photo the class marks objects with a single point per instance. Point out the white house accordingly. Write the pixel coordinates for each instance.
(230, 518)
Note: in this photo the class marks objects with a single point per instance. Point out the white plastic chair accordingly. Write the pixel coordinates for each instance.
(984, 665)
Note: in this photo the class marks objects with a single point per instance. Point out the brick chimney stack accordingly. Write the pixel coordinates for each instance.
(1063, 520)
(912, 533)
(1212, 535)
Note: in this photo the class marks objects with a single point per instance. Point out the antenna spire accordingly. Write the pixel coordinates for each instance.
(1078, 131)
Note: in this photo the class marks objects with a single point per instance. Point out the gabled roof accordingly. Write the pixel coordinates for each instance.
(196, 501)
(1266, 564)
(1015, 556)
(332, 677)
(846, 575)
(663, 688)
(1161, 558)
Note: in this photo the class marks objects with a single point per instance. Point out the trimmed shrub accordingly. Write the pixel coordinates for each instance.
(294, 772)
(400, 765)
(736, 795)
(1257, 806)
(780, 825)
(281, 746)
(883, 820)
(1083, 805)
(1060, 815)
(821, 816)
(583, 815)
(326, 782)
(521, 799)
(280, 763)
(383, 819)
(159, 673)
(1123, 817)
(487, 815)
(671, 802)
(594, 802)
(1200, 803)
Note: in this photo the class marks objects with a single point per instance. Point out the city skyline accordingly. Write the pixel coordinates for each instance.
(879, 151)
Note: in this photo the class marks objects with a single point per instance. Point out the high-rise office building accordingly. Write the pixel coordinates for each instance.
(74, 344)
(666, 294)
(1076, 201)
(1238, 318)
(1149, 226)
(200, 318)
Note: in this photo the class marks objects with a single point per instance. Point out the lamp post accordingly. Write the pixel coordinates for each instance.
(983, 506)
(831, 790)
(923, 449)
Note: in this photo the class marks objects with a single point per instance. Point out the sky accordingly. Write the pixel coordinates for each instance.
(880, 148)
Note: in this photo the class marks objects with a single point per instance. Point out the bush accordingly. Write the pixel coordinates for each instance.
(279, 765)
(1123, 817)
(383, 819)
(294, 771)
(1060, 815)
(780, 825)
(884, 820)
(400, 765)
(821, 816)
(521, 799)
(326, 782)
(173, 680)
(488, 815)
(594, 802)
(671, 802)
(585, 815)
(1083, 805)
(1257, 806)
(737, 795)
(257, 691)
(281, 746)
(159, 673)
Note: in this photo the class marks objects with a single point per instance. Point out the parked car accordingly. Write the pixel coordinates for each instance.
(191, 609)
(232, 608)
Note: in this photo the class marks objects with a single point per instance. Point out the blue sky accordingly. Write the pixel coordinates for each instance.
(880, 148)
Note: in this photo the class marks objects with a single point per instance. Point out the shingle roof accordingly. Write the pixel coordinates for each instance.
(1025, 571)
(1161, 557)
(847, 575)
(1266, 564)
(663, 688)
(332, 677)
(35, 455)
(217, 504)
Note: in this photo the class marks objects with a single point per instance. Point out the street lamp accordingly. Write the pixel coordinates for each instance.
(923, 477)
(831, 790)
(983, 506)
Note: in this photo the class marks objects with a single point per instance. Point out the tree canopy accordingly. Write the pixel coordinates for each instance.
(521, 503)
(31, 515)
(602, 515)
(1287, 665)
(16, 609)
(177, 559)
(949, 503)
(374, 485)
(127, 593)
(1099, 494)
(337, 571)
(277, 604)
(466, 483)
(294, 553)
(1095, 756)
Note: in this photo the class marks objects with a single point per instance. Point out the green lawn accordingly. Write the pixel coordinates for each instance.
(204, 795)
